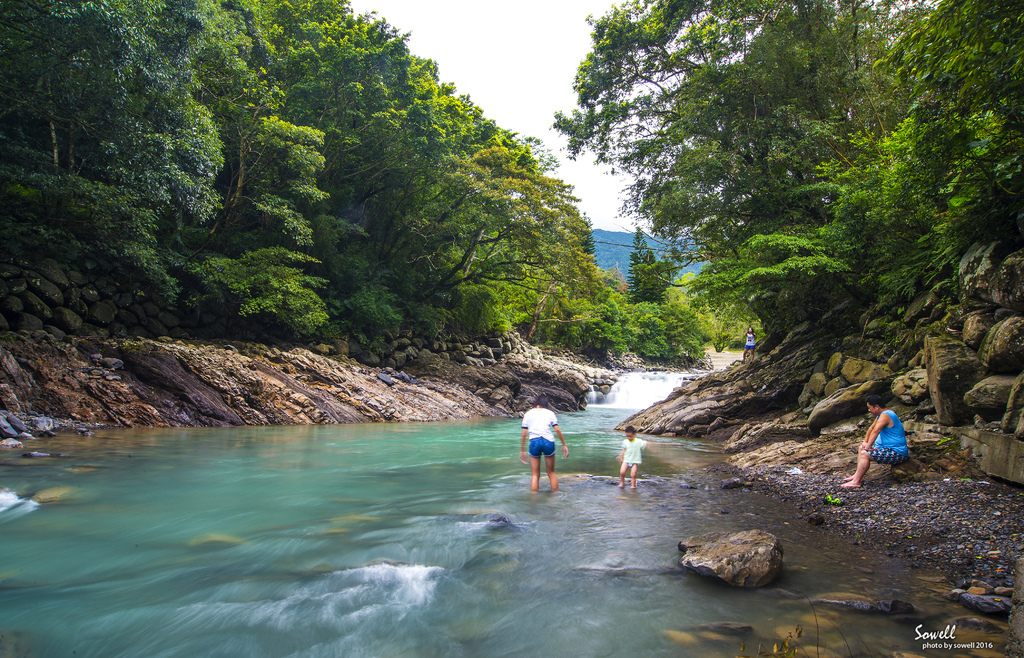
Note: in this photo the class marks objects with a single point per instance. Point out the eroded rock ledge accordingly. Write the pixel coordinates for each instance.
(141, 382)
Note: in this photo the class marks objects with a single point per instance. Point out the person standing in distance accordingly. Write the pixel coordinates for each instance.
(538, 424)
(748, 346)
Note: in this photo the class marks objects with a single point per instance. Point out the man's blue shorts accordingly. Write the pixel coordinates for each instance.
(541, 446)
(887, 456)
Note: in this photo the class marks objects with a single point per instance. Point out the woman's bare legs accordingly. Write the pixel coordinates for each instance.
(535, 473)
(550, 462)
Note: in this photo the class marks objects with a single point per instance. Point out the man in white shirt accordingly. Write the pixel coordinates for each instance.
(538, 424)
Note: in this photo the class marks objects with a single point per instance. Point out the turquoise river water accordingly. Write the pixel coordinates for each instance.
(378, 540)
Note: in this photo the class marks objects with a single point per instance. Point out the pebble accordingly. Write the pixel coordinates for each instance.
(962, 528)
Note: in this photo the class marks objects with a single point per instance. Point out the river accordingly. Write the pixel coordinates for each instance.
(379, 540)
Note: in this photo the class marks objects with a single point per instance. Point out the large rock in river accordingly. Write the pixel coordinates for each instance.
(565, 388)
(953, 369)
(844, 403)
(752, 558)
(496, 384)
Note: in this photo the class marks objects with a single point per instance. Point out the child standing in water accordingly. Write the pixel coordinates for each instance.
(630, 456)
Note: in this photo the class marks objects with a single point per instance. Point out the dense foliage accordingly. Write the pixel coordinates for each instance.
(811, 151)
(291, 163)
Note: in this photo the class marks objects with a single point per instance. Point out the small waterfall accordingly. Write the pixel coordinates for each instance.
(593, 395)
(639, 390)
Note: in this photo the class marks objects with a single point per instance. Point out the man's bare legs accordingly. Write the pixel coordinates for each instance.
(863, 462)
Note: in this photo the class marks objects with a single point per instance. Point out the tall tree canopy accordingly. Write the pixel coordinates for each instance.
(199, 146)
(776, 138)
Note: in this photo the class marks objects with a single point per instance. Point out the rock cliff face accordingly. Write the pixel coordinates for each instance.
(721, 400)
(141, 382)
(950, 363)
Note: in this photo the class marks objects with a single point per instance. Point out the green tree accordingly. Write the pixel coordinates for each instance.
(265, 284)
(647, 278)
(101, 141)
(724, 113)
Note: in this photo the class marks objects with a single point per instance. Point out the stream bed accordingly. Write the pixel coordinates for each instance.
(408, 540)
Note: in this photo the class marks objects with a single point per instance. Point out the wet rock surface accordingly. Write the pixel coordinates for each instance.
(751, 558)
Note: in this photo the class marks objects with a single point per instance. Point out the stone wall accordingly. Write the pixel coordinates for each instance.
(42, 298)
(395, 350)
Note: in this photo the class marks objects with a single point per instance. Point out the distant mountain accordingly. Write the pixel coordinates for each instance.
(612, 249)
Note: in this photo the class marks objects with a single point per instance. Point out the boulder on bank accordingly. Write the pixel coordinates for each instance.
(976, 326)
(989, 397)
(1003, 347)
(912, 387)
(990, 273)
(751, 558)
(953, 369)
(858, 371)
(845, 403)
(756, 435)
(1013, 419)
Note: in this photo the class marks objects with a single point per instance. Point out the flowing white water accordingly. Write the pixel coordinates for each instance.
(639, 390)
(11, 506)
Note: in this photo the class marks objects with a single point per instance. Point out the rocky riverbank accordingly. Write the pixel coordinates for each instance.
(950, 364)
(129, 382)
(969, 529)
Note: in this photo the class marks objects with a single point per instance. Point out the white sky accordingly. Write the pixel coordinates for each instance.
(517, 62)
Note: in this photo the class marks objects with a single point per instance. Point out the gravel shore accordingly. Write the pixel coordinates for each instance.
(967, 529)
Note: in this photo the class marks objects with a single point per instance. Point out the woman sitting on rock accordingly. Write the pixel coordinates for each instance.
(892, 441)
